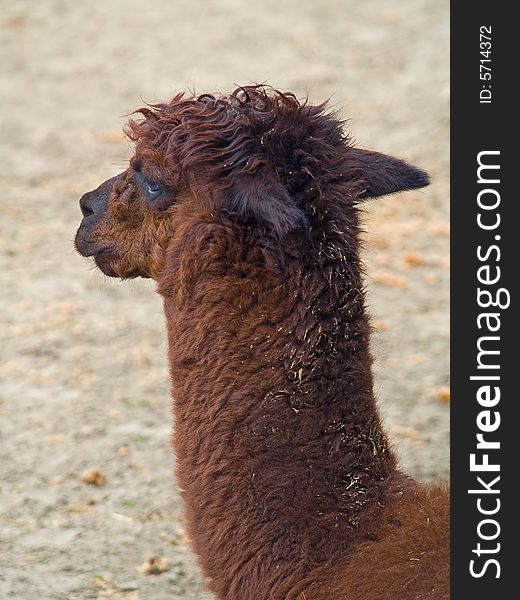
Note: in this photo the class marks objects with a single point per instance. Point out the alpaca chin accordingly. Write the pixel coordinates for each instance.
(103, 264)
(100, 255)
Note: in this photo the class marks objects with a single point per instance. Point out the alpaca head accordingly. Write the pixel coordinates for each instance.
(257, 157)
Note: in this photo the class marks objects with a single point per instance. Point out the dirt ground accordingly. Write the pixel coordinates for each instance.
(82, 358)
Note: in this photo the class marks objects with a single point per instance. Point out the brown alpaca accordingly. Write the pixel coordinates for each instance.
(243, 208)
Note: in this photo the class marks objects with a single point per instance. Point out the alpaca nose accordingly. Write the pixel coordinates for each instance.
(86, 205)
(94, 204)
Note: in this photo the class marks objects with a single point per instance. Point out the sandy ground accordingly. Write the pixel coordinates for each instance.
(82, 358)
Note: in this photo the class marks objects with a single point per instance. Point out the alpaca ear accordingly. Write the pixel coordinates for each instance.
(380, 174)
(265, 201)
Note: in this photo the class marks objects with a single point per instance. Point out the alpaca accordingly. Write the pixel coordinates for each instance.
(244, 209)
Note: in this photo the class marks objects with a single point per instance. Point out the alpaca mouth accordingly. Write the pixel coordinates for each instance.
(87, 248)
(101, 254)
(87, 251)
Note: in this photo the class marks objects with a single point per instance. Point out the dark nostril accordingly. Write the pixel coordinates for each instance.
(86, 208)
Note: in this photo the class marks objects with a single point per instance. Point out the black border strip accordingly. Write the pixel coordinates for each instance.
(480, 127)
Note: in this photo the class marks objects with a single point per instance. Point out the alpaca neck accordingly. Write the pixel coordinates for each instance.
(277, 432)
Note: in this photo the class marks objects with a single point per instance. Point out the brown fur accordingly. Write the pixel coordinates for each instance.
(290, 486)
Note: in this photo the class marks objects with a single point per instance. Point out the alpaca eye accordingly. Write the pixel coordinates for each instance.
(151, 189)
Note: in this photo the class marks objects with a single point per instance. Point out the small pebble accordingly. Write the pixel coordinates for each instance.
(154, 565)
(443, 394)
(129, 586)
(94, 477)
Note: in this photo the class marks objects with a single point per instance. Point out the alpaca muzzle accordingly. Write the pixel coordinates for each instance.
(93, 206)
